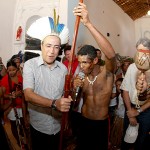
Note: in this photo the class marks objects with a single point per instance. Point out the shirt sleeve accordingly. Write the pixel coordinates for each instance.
(126, 81)
(114, 89)
(28, 75)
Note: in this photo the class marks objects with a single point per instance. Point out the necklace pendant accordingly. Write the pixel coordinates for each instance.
(92, 82)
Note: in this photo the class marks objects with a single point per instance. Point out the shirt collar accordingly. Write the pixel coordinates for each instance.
(41, 62)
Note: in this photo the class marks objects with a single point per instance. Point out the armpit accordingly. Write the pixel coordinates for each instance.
(111, 64)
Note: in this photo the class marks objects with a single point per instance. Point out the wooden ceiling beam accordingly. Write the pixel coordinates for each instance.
(137, 10)
(137, 14)
(134, 8)
(129, 6)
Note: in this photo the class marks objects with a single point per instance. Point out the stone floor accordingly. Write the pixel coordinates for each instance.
(15, 146)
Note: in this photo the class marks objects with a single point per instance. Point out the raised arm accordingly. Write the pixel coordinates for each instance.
(102, 42)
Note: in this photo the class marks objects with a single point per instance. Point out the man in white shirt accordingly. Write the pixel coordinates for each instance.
(133, 113)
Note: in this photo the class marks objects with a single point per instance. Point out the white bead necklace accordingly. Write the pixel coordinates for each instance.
(91, 82)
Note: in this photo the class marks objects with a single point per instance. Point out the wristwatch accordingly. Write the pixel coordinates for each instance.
(139, 110)
(53, 106)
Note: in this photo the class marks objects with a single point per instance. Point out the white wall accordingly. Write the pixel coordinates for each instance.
(142, 27)
(71, 24)
(28, 10)
(7, 8)
(16, 13)
(108, 18)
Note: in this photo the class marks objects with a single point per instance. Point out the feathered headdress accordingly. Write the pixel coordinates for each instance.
(48, 26)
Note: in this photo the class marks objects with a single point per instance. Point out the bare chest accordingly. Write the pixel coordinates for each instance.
(98, 87)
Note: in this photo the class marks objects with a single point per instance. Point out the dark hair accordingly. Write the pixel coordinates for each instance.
(11, 63)
(88, 50)
(15, 57)
(119, 79)
(29, 55)
(144, 41)
(67, 47)
(126, 61)
(98, 49)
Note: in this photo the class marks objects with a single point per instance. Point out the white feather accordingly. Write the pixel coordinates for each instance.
(64, 35)
(41, 28)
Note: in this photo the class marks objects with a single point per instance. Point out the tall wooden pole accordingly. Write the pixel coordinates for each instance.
(68, 81)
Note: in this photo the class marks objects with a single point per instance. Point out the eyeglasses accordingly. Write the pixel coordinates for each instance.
(55, 47)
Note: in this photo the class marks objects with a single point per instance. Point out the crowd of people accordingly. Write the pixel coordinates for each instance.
(33, 93)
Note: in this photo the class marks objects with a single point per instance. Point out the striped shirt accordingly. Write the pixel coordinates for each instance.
(46, 82)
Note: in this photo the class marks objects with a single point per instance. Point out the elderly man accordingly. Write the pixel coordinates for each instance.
(134, 114)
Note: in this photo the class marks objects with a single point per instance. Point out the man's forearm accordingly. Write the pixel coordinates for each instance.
(32, 97)
(126, 100)
(145, 106)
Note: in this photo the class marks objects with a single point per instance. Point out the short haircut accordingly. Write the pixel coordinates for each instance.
(88, 50)
(67, 47)
(119, 80)
(129, 60)
(42, 41)
(144, 41)
(98, 49)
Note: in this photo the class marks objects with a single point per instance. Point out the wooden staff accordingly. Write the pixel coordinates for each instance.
(68, 78)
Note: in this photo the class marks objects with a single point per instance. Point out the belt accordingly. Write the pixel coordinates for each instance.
(134, 105)
(140, 103)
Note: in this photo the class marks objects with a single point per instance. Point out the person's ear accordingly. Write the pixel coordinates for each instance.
(95, 60)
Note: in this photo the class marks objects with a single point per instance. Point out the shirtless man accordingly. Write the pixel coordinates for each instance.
(96, 88)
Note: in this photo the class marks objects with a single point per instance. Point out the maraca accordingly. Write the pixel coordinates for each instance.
(142, 61)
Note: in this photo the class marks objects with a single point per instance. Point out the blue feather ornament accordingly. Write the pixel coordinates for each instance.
(51, 22)
(60, 27)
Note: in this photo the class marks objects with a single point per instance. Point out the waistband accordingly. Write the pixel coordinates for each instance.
(134, 106)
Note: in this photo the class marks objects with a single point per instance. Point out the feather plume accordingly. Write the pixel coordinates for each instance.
(48, 26)
(51, 22)
(60, 27)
